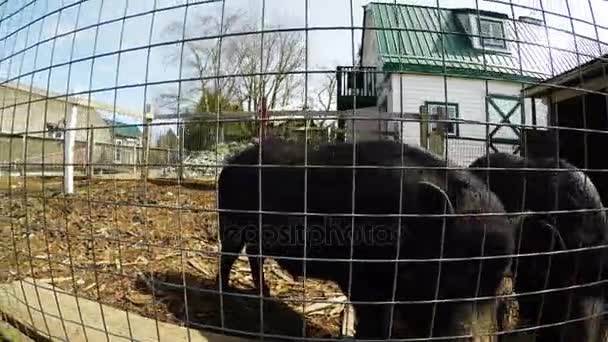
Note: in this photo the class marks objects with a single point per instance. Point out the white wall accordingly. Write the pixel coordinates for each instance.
(369, 128)
(19, 103)
(464, 152)
(410, 91)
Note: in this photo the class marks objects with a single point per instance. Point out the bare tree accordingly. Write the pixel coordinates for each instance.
(322, 90)
(269, 68)
(247, 68)
(203, 60)
(326, 93)
(322, 96)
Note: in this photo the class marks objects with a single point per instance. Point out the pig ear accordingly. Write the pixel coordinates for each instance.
(548, 230)
(434, 199)
(517, 220)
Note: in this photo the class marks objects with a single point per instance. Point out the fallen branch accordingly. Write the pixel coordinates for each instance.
(348, 321)
(53, 280)
(281, 274)
(198, 266)
(330, 303)
(88, 287)
(165, 256)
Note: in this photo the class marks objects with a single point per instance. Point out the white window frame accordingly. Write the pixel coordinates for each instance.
(117, 150)
(54, 131)
(496, 43)
(453, 114)
(496, 35)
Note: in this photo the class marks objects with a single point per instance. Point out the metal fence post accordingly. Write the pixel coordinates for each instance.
(23, 154)
(146, 144)
(90, 153)
(68, 151)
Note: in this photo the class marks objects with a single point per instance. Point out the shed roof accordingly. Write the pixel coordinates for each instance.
(409, 39)
(596, 68)
(81, 100)
(124, 130)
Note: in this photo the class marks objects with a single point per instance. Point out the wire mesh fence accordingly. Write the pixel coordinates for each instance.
(424, 170)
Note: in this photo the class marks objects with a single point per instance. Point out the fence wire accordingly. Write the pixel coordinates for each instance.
(416, 170)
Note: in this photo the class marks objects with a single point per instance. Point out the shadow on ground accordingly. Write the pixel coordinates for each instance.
(195, 184)
(240, 308)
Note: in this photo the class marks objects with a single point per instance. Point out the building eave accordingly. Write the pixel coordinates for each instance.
(592, 69)
(457, 72)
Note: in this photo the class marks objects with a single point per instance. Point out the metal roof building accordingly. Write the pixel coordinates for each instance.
(439, 40)
(467, 64)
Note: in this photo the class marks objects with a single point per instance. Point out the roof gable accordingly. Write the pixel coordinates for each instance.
(438, 40)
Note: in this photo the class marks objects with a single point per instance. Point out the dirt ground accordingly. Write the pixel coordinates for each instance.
(134, 246)
(113, 240)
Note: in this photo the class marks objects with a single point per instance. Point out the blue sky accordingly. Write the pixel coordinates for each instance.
(326, 48)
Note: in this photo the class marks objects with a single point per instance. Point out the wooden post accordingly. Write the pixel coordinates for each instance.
(436, 140)
(341, 129)
(534, 112)
(68, 150)
(146, 144)
(263, 114)
(134, 159)
(90, 153)
(424, 127)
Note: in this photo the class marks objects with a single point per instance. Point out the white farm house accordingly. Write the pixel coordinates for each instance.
(472, 64)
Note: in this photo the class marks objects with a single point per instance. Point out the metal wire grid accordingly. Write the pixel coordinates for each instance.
(20, 19)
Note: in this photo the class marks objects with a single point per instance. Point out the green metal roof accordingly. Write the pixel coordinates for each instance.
(410, 40)
(124, 130)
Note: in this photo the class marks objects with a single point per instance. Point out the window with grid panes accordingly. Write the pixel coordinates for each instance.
(492, 33)
(451, 128)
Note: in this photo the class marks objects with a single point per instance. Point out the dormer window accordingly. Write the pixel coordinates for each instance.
(486, 30)
(493, 34)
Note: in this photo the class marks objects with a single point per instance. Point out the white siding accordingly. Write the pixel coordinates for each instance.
(541, 113)
(410, 91)
(365, 129)
(464, 152)
(30, 112)
(370, 129)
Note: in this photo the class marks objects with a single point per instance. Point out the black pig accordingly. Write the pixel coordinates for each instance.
(545, 231)
(359, 253)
